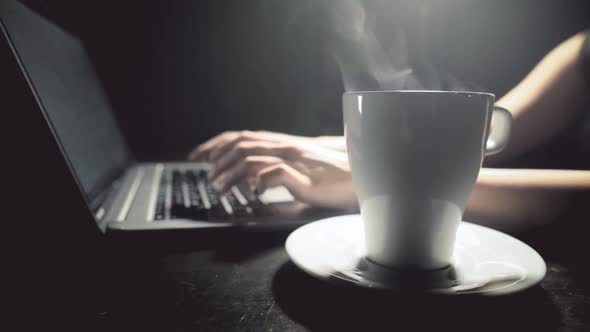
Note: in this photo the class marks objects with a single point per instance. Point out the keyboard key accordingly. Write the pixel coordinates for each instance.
(226, 205)
(239, 196)
(185, 195)
(203, 194)
(243, 211)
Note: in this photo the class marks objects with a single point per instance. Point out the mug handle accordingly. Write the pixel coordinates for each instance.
(499, 132)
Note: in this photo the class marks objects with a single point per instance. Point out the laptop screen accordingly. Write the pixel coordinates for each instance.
(72, 97)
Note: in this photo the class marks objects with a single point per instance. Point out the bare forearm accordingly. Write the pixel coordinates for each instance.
(546, 101)
(513, 199)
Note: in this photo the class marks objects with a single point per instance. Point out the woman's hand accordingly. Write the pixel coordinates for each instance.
(314, 170)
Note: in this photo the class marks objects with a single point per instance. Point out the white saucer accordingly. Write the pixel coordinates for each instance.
(485, 261)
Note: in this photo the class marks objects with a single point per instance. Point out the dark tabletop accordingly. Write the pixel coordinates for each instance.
(243, 280)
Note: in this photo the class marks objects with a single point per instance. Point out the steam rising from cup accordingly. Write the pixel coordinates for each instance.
(367, 65)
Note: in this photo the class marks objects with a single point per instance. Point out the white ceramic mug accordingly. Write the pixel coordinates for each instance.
(415, 157)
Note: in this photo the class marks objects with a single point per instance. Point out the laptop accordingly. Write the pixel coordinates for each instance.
(124, 194)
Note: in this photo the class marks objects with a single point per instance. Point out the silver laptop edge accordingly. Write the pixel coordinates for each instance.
(132, 207)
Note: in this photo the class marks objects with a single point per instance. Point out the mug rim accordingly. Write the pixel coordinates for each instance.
(419, 91)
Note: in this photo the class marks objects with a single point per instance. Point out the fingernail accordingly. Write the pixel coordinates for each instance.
(217, 185)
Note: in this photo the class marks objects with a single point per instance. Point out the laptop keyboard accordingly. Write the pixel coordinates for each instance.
(186, 194)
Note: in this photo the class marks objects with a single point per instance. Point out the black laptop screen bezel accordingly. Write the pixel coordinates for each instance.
(95, 195)
(52, 170)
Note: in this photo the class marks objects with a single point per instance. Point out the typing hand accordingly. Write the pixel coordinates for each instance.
(314, 173)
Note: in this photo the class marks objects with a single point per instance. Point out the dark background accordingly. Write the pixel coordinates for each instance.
(178, 72)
